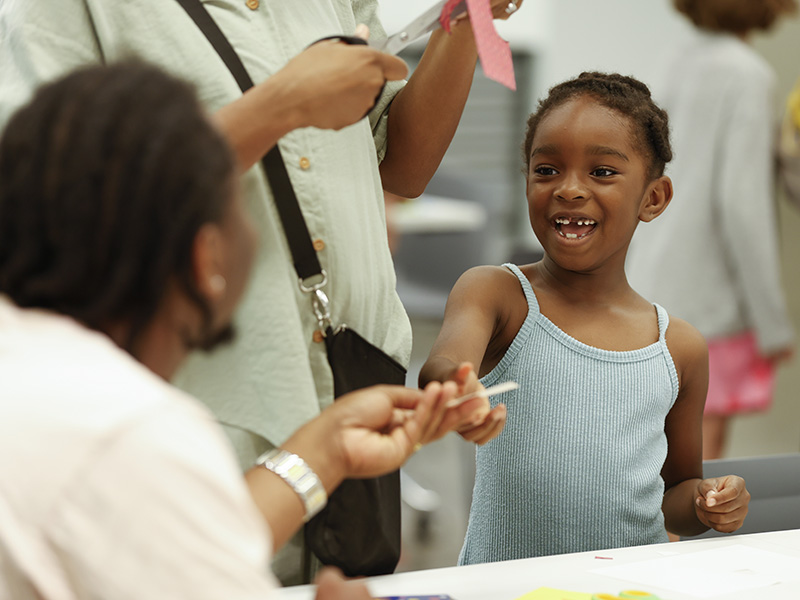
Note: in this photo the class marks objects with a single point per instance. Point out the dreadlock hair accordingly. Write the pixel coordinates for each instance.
(735, 16)
(626, 95)
(106, 176)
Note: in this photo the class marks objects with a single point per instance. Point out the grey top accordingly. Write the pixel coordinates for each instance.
(712, 258)
(578, 466)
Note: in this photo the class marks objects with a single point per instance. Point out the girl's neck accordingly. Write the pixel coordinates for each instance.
(601, 285)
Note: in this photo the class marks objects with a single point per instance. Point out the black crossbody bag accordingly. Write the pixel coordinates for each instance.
(359, 529)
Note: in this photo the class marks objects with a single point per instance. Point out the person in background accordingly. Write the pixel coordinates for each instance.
(311, 97)
(714, 258)
(125, 244)
(602, 447)
(789, 147)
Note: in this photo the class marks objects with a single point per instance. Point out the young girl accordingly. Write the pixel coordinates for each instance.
(602, 446)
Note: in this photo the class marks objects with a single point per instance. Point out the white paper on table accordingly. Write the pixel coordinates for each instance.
(710, 572)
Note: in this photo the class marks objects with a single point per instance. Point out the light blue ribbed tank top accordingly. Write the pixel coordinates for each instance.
(578, 465)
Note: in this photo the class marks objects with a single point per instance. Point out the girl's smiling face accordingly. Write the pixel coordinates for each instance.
(588, 185)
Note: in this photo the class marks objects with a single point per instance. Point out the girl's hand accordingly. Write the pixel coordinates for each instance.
(463, 381)
(482, 423)
(721, 502)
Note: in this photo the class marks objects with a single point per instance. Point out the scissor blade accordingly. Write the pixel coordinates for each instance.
(425, 23)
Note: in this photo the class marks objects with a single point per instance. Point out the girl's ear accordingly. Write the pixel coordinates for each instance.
(656, 199)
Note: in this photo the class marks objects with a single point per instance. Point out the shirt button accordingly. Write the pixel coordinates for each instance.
(304, 163)
(252, 4)
(319, 245)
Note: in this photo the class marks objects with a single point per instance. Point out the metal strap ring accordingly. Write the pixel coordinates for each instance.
(308, 289)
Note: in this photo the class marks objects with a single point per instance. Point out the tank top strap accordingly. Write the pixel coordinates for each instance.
(663, 322)
(527, 288)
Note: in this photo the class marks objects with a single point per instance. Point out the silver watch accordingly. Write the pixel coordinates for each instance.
(294, 471)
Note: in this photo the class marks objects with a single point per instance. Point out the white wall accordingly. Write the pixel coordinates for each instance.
(570, 36)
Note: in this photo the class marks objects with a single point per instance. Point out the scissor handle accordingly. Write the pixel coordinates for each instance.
(352, 40)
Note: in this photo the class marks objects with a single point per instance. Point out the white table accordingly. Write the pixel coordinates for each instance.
(575, 572)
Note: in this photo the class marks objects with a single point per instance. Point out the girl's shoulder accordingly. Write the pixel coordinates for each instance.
(489, 281)
(687, 346)
(493, 291)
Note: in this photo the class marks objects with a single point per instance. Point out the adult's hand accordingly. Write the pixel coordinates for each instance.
(363, 434)
(332, 586)
(426, 112)
(499, 10)
(333, 84)
(330, 85)
(380, 427)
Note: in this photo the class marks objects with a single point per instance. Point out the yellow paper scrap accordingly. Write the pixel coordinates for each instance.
(545, 593)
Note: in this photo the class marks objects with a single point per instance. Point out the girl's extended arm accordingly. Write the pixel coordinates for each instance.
(691, 504)
(472, 319)
(470, 322)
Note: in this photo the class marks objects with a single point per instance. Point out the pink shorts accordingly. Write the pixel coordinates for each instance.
(740, 379)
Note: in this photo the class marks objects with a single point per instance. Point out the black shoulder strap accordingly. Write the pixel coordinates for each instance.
(304, 256)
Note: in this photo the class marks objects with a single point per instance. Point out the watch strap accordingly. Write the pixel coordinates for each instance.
(300, 477)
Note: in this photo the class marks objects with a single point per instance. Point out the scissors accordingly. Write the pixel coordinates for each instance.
(425, 23)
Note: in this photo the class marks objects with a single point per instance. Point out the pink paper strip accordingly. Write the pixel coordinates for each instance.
(493, 51)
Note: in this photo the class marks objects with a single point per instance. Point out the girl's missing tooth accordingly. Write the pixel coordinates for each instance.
(602, 446)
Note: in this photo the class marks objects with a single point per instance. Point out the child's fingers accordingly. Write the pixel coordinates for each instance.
(489, 429)
(462, 374)
(726, 522)
(707, 485)
(720, 494)
(497, 428)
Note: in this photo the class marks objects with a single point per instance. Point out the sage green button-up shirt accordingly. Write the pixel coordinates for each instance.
(274, 377)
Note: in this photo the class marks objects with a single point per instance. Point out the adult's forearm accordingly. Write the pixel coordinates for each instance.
(424, 116)
(254, 123)
(278, 503)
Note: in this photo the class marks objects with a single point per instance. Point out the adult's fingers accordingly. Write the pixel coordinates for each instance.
(393, 68)
(499, 8)
(438, 424)
(362, 31)
(331, 585)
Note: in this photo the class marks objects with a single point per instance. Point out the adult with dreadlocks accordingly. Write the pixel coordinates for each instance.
(276, 376)
(714, 259)
(124, 243)
(602, 446)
